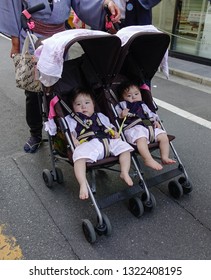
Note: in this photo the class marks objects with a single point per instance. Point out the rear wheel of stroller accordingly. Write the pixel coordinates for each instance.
(48, 178)
(59, 175)
(136, 207)
(89, 231)
(186, 185)
(106, 227)
(149, 203)
(175, 189)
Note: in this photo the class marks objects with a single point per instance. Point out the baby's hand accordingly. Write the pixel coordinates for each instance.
(75, 141)
(124, 113)
(157, 124)
(116, 135)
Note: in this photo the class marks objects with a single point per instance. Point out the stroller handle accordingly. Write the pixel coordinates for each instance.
(26, 15)
(109, 16)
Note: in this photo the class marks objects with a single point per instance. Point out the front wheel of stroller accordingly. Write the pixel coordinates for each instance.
(149, 203)
(186, 185)
(89, 231)
(106, 227)
(59, 175)
(48, 178)
(136, 207)
(175, 189)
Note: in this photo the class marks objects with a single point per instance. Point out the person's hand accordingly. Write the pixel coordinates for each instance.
(124, 113)
(114, 9)
(15, 46)
(116, 135)
(157, 124)
(75, 141)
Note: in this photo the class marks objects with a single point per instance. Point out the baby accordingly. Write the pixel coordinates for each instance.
(92, 134)
(141, 125)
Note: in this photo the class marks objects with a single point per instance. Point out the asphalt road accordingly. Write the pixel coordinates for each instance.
(45, 224)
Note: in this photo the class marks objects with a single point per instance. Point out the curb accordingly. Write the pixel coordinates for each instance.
(189, 76)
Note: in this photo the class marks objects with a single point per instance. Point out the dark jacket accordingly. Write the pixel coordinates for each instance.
(139, 12)
(148, 4)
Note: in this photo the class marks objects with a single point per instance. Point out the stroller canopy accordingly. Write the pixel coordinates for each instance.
(104, 52)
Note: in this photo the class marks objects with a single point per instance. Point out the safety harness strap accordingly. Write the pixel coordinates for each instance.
(147, 123)
(87, 134)
(105, 142)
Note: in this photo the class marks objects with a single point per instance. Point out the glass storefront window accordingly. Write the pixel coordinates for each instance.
(163, 15)
(189, 22)
(205, 46)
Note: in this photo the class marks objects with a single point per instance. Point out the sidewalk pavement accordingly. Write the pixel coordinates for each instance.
(191, 71)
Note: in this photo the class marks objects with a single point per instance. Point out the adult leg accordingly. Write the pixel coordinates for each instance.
(143, 149)
(80, 174)
(34, 121)
(34, 113)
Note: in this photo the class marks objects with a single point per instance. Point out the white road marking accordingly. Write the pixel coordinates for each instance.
(183, 113)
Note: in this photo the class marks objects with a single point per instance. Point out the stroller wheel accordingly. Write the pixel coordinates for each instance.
(106, 227)
(89, 231)
(149, 203)
(59, 175)
(175, 189)
(186, 185)
(136, 207)
(48, 178)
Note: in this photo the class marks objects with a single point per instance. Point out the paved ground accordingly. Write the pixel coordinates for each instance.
(191, 71)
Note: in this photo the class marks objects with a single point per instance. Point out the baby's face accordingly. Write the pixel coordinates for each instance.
(132, 95)
(83, 104)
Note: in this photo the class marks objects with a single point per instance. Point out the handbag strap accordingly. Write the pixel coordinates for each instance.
(25, 48)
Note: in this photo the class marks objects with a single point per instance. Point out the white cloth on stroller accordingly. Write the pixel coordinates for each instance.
(51, 53)
(51, 127)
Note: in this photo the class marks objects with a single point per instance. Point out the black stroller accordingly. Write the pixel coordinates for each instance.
(100, 63)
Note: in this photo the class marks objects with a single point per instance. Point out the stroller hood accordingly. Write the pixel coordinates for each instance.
(101, 48)
(103, 54)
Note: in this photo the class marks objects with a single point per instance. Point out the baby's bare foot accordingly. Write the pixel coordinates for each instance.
(168, 161)
(153, 164)
(83, 194)
(126, 178)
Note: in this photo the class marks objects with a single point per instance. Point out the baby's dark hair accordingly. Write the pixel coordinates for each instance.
(124, 87)
(80, 90)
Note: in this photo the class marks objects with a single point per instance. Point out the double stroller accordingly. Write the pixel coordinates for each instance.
(101, 61)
